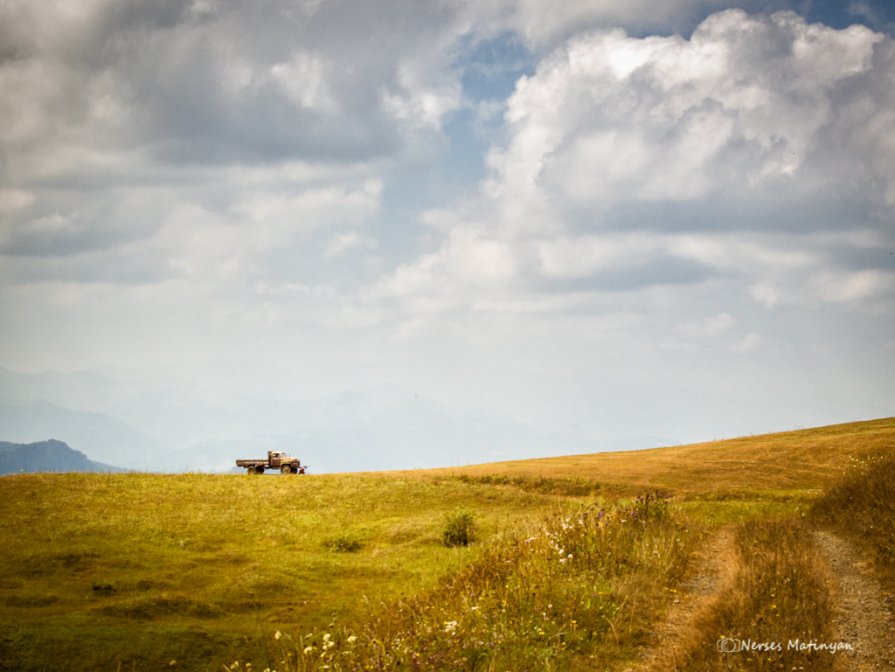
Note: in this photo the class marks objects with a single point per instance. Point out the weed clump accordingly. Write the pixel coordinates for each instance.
(343, 543)
(459, 529)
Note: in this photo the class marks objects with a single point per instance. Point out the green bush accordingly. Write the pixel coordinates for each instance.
(344, 543)
(459, 529)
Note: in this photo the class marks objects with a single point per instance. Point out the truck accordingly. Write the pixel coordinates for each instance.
(275, 460)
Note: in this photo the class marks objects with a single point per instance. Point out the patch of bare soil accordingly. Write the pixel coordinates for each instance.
(862, 613)
(713, 569)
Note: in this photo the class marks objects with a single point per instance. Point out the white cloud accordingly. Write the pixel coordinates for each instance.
(749, 343)
(845, 287)
(609, 119)
(635, 162)
(303, 184)
(543, 23)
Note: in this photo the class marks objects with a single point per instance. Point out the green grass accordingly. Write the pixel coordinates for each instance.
(147, 569)
(191, 572)
(574, 593)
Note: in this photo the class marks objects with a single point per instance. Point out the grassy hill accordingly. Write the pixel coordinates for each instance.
(800, 462)
(141, 571)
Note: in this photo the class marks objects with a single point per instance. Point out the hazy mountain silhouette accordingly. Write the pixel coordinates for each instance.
(51, 455)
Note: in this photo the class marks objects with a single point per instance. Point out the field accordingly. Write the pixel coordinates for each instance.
(637, 560)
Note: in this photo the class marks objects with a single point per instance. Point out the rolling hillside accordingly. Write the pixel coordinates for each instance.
(142, 571)
(803, 461)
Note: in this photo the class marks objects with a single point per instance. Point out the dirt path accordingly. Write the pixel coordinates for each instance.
(862, 614)
(714, 568)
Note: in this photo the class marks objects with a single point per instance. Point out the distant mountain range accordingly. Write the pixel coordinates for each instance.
(43, 456)
(163, 421)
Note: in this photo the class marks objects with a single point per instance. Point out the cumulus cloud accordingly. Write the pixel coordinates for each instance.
(738, 153)
(148, 141)
(571, 195)
(191, 81)
(543, 24)
(185, 137)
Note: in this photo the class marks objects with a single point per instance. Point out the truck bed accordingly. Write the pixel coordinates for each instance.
(251, 463)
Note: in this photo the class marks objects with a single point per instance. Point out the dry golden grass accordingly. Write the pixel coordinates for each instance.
(862, 508)
(796, 463)
(780, 598)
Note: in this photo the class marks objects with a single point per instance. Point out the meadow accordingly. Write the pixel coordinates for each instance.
(576, 563)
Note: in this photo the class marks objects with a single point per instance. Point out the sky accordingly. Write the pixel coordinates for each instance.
(599, 218)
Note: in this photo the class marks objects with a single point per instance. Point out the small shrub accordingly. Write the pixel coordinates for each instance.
(103, 588)
(459, 529)
(344, 543)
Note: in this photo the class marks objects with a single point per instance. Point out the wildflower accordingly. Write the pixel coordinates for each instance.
(450, 626)
(308, 650)
(352, 639)
(277, 634)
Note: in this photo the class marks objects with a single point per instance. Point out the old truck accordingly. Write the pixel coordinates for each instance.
(275, 460)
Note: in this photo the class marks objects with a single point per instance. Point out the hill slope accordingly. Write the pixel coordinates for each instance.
(44, 456)
(803, 460)
(133, 571)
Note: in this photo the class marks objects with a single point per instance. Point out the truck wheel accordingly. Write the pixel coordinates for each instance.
(286, 469)
(252, 471)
